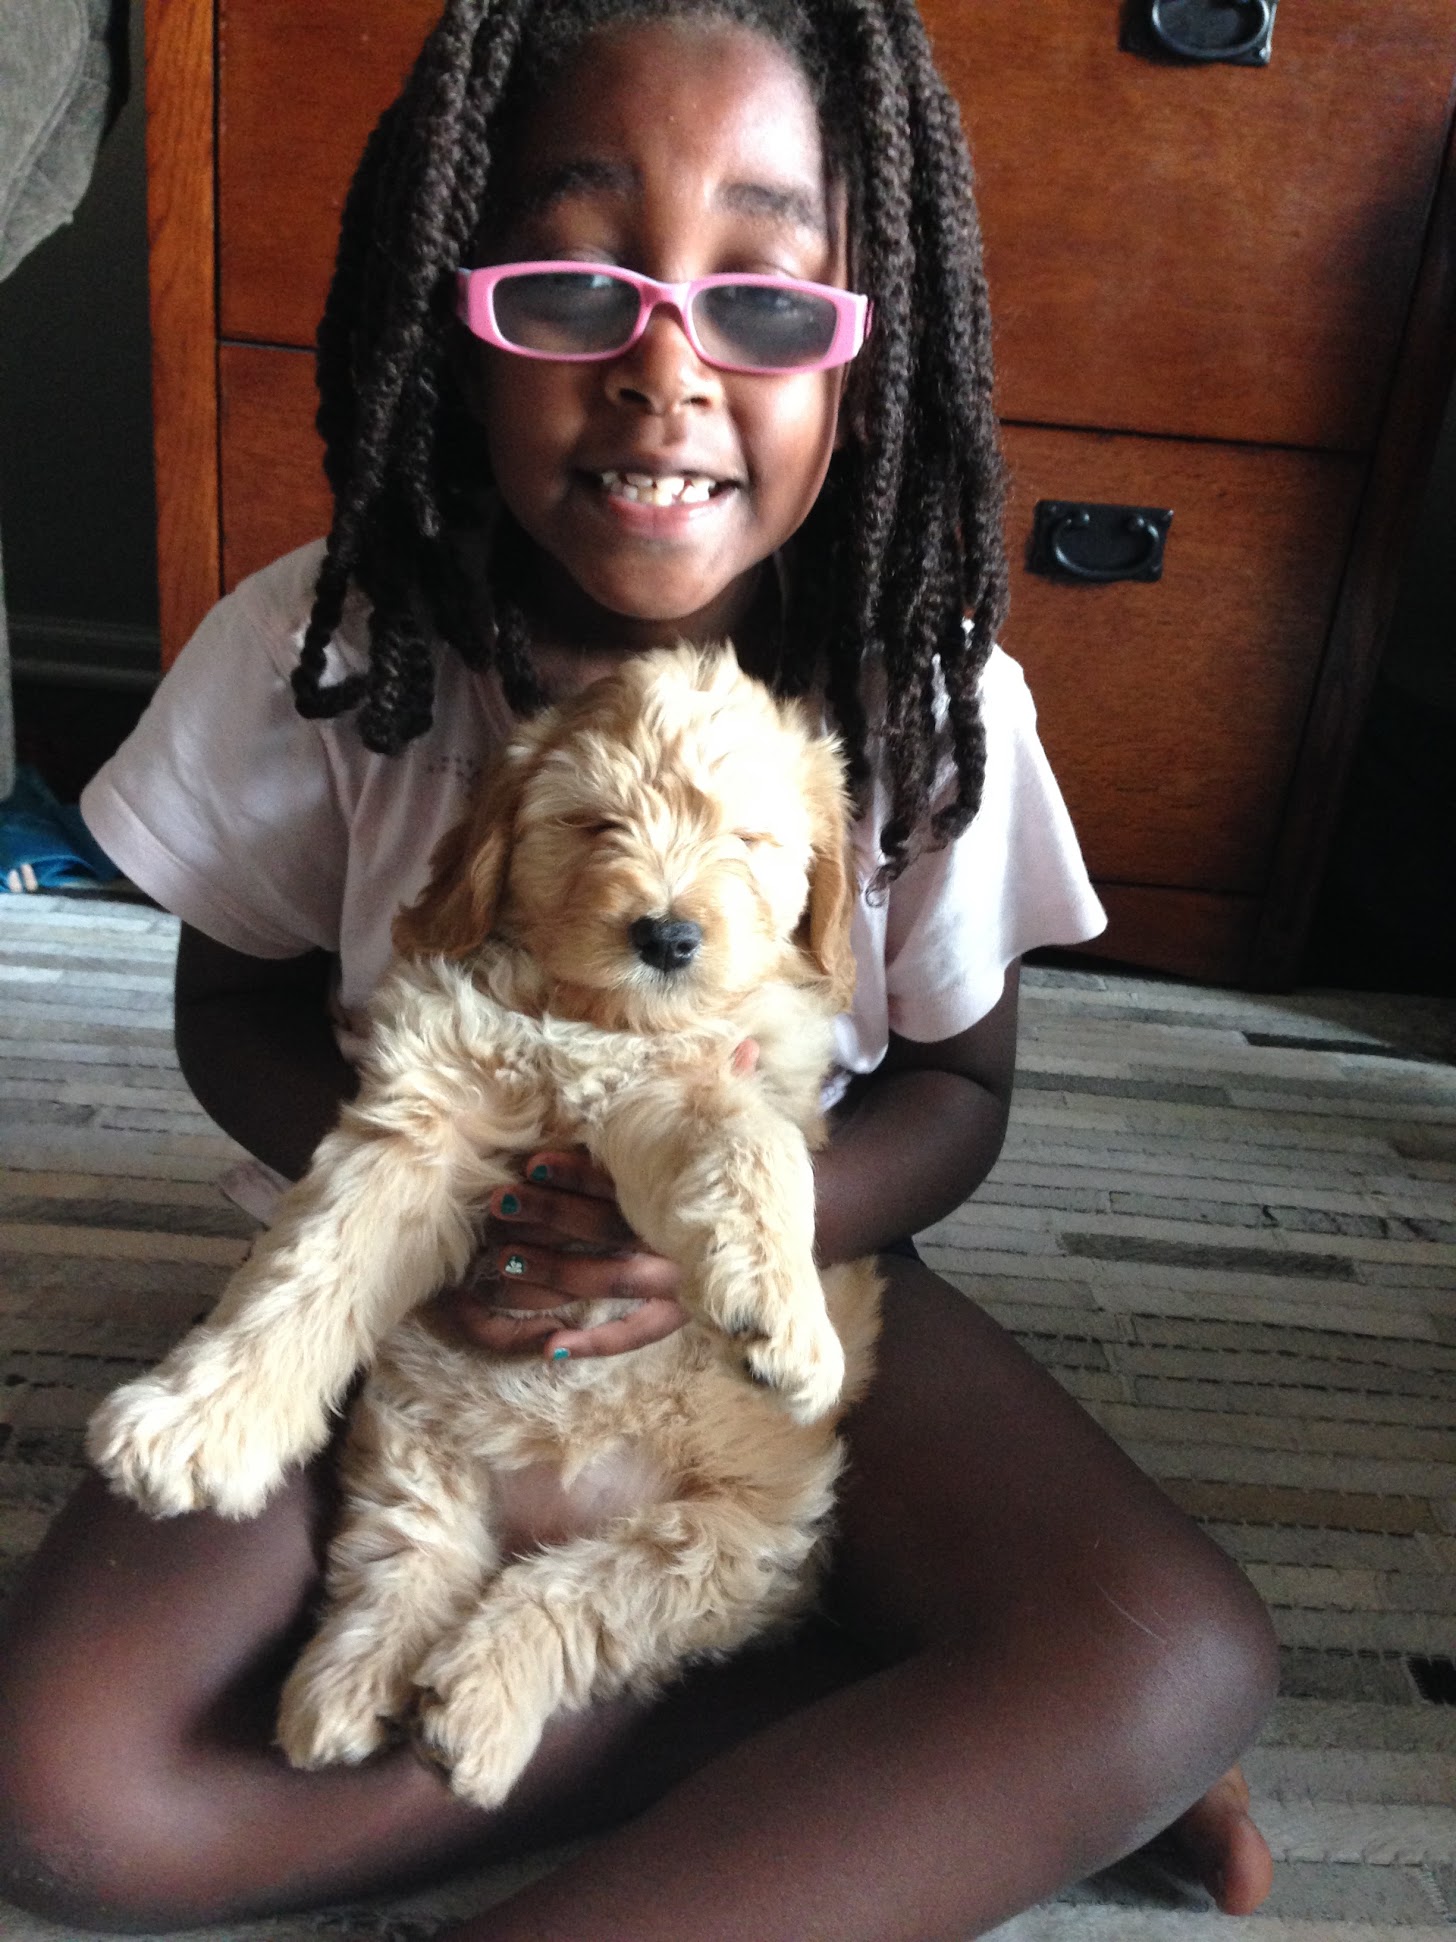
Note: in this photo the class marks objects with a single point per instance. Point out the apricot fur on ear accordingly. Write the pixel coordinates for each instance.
(457, 909)
(824, 932)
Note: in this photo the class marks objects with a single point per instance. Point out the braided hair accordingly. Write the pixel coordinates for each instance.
(899, 565)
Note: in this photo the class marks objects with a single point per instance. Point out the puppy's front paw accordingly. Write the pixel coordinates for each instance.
(802, 1362)
(337, 1709)
(783, 1339)
(174, 1444)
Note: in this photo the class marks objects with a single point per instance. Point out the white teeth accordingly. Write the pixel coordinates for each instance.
(643, 489)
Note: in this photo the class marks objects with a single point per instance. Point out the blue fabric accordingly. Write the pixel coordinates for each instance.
(904, 1247)
(50, 837)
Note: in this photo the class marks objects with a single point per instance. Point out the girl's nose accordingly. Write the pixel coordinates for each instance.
(662, 372)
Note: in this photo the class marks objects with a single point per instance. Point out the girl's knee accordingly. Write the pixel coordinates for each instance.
(89, 1834)
(1234, 1649)
(100, 1856)
(1164, 1658)
(1189, 1661)
(54, 1810)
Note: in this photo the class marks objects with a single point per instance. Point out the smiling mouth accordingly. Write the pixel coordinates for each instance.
(665, 489)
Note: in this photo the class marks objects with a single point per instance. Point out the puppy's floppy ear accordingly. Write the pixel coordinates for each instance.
(824, 932)
(456, 910)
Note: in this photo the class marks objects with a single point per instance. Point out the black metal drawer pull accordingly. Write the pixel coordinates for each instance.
(1213, 30)
(1074, 541)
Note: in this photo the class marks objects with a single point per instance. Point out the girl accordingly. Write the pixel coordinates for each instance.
(1029, 1661)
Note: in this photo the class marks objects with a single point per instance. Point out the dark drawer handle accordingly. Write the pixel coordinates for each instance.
(1098, 544)
(1253, 47)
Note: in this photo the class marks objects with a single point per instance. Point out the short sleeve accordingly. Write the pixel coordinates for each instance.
(1013, 882)
(225, 804)
(931, 952)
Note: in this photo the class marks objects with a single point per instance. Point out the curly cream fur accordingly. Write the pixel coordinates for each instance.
(517, 1538)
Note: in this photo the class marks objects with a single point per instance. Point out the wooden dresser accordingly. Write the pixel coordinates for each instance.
(1223, 289)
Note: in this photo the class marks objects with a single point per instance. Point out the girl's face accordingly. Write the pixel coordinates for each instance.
(677, 150)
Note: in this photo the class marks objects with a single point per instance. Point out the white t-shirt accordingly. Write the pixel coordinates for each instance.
(275, 835)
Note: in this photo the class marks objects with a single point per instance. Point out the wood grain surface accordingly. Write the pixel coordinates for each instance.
(274, 495)
(1372, 585)
(300, 87)
(183, 316)
(1217, 252)
(1190, 933)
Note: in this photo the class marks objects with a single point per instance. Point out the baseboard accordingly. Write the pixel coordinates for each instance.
(83, 653)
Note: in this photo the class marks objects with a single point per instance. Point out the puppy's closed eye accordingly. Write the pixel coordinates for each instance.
(589, 825)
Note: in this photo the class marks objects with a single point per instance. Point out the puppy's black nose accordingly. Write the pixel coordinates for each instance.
(666, 943)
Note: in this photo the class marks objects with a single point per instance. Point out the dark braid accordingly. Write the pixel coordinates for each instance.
(409, 217)
(900, 566)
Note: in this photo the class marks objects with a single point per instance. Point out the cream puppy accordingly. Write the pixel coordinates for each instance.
(657, 873)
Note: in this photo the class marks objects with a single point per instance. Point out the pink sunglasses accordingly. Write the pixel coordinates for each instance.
(577, 313)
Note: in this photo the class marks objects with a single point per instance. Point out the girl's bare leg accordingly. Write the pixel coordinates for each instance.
(1042, 1663)
(140, 1668)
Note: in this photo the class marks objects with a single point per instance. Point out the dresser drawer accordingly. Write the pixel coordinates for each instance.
(1172, 710)
(1213, 251)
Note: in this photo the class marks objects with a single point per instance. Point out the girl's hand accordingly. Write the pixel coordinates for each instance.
(533, 1258)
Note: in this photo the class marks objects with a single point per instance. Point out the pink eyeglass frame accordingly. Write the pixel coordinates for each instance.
(475, 306)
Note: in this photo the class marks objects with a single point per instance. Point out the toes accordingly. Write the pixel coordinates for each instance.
(807, 1377)
(334, 1713)
(1219, 1843)
(481, 1756)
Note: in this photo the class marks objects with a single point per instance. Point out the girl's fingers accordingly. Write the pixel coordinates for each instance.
(648, 1322)
(563, 1212)
(580, 1277)
(542, 1336)
(563, 1198)
(540, 1280)
(573, 1169)
(503, 1335)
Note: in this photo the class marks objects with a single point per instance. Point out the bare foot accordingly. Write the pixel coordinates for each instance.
(1220, 1846)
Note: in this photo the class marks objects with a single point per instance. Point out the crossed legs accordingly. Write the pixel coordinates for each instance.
(1034, 1663)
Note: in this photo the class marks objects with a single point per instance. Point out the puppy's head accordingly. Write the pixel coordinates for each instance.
(662, 844)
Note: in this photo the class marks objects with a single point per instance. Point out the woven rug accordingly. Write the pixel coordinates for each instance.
(1226, 1223)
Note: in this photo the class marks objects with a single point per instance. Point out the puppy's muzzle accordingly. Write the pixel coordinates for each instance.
(666, 943)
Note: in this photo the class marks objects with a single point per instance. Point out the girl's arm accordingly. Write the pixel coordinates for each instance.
(917, 1135)
(256, 1045)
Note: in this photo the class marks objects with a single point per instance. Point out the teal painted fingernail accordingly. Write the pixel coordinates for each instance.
(514, 1264)
(509, 1204)
(541, 1171)
(560, 1355)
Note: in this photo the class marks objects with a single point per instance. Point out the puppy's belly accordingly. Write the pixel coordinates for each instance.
(534, 1507)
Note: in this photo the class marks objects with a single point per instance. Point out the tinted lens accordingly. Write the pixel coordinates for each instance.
(565, 312)
(764, 325)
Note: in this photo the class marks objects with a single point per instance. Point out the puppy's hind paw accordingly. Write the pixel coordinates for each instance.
(471, 1723)
(336, 1712)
